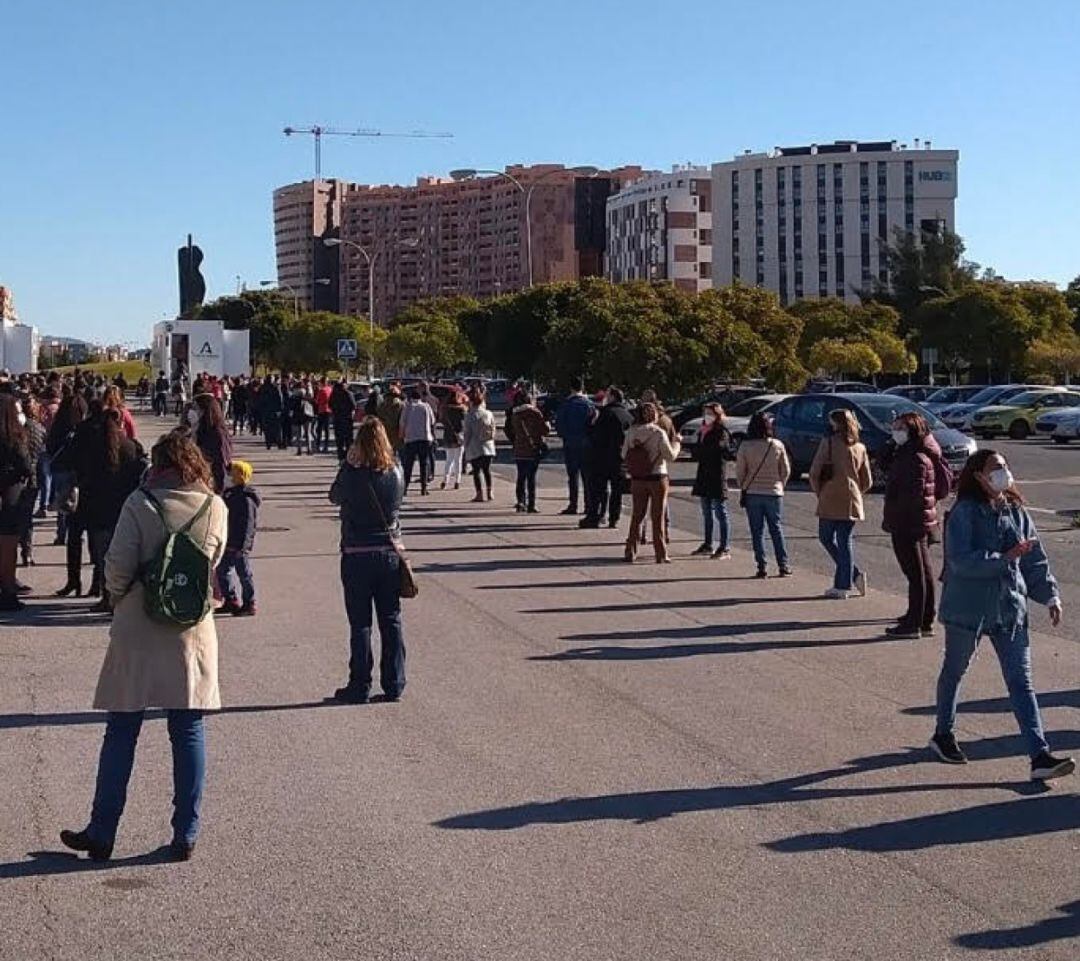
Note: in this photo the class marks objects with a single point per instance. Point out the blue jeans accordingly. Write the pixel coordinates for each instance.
(838, 539)
(1014, 655)
(239, 561)
(714, 509)
(44, 482)
(526, 481)
(118, 757)
(374, 578)
(762, 509)
(574, 456)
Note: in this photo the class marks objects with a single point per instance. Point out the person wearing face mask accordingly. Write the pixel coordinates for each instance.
(918, 479)
(710, 484)
(994, 563)
(840, 475)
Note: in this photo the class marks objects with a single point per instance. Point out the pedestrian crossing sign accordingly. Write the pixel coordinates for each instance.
(346, 349)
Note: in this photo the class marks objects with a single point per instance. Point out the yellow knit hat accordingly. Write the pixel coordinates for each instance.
(241, 471)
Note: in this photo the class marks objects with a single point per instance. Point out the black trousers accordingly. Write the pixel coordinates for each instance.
(913, 556)
(606, 486)
(482, 469)
(343, 436)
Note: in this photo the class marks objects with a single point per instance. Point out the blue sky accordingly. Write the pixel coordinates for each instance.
(128, 124)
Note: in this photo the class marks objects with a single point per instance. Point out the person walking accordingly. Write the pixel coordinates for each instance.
(15, 468)
(527, 429)
(240, 399)
(342, 410)
(605, 439)
(152, 663)
(453, 421)
(242, 502)
(161, 395)
(918, 479)
(647, 451)
(368, 489)
(212, 438)
(714, 452)
(417, 429)
(479, 443)
(762, 469)
(839, 476)
(572, 425)
(301, 408)
(994, 564)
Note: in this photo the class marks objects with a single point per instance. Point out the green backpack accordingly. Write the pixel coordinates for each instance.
(176, 581)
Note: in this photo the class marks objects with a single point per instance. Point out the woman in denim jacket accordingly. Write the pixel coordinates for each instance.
(994, 562)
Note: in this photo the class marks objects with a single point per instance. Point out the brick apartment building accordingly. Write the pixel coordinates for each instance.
(444, 237)
(304, 214)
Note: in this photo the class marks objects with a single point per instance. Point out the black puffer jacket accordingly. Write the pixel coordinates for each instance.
(714, 451)
(912, 492)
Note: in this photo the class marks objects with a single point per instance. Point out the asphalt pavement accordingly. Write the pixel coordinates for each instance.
(592, 760)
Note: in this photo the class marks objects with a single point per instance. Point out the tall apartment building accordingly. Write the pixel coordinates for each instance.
(659, 227)
(810, 221)
(443, 237)
(304, 214)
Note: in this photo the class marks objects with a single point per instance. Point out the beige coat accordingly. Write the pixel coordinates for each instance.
(841, 497)
(660, 448)
(149, 664)
(762, 466)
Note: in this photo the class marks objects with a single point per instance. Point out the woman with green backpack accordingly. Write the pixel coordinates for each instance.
(163, 645)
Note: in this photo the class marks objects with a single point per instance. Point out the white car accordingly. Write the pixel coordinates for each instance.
(1066, 425)
(735, 420)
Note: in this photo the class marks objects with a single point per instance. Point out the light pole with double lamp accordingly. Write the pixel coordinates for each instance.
(370, 258)
(468, 173)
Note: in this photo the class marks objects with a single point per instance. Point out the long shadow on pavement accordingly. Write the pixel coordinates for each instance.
(698, 650)
(701, 602)
(1030, 935)
(98, 717)
(1062, 814)
(502, 564)
(1001, 705)
(606, 582)
(44, 863)
(721, 630)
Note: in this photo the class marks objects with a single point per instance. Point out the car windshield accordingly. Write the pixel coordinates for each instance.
(987, 395)
(885, 408)
(946, 395)
(750, 406)
(1026, 399)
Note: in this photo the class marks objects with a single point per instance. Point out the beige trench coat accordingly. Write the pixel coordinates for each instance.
(149, 664)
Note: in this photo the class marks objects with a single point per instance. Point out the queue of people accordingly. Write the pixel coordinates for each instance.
(194, 495)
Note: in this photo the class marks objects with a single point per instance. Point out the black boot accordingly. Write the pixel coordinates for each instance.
(81, 841)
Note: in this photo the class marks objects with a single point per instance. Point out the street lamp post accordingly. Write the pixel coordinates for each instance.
(291, 290)
(370, 258)
(469, 173)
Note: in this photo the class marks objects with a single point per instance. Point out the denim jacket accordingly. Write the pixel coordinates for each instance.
(983, 590)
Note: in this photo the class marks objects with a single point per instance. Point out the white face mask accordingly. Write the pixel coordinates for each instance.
(900, 437)
(1000, 479)
(193, 418)
(710, 418)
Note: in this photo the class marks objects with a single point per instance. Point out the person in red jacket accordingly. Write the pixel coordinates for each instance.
(322, 416)
(918, 479)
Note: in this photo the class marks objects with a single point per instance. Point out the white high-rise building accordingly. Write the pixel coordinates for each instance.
(659, 227)
(811, 221)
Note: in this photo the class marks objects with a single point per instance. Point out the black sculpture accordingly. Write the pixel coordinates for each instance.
(192, 284)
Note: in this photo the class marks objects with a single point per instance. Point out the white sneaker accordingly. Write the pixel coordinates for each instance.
(860, 583)
(834, 593)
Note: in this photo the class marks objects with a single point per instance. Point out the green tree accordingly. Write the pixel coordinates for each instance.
(433, 345)
(835, 358)
(264, 313)
(1072, 298)
(1056, 356)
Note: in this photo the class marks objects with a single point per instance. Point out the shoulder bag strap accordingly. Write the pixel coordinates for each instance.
(765, 456)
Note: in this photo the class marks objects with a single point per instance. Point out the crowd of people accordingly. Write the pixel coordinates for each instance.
(69, 443)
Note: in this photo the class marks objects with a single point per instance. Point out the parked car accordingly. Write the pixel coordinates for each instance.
(915, 392)
(959, 415)
(1016, 417)
(736, 421)
(800, 423)
(1067, 427)
(726, 397)
(840, 387)
(947, 396)
(1047, 423)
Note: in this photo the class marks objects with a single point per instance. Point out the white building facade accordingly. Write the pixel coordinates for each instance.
(811, 221)
(660, 228)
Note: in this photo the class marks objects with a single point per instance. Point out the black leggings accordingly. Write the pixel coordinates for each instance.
(482, 465)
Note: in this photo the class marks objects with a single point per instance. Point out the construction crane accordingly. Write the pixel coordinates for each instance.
(317, 132)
